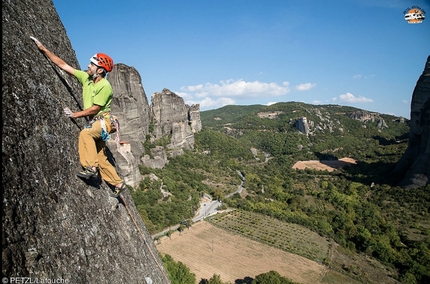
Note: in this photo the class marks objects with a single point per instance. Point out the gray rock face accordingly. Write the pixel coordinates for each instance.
(302, 125)
(54, 225)
(194, 117)
(414, 166)
(130, 105)
(158, 160)
(365, 116)
(171, 118)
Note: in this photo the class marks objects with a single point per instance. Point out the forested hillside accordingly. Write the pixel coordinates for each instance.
(358, 206)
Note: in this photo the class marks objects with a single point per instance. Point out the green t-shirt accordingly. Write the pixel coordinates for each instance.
(95, 94)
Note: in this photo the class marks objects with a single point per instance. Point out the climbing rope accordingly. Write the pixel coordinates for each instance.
(143, 237)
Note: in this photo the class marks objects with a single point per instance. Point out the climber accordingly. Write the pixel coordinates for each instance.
(97, 97)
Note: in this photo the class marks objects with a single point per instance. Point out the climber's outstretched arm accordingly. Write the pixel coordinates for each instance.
(54, 58)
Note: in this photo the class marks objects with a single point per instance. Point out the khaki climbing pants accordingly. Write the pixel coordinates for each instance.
(92, 152)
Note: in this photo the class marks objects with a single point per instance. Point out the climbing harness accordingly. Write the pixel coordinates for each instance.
(121, 199)
(114, 126)
(105, 134)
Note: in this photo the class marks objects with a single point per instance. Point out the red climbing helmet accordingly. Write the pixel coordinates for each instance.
(102, 60)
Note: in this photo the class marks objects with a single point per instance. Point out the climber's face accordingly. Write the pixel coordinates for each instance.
(92, 69)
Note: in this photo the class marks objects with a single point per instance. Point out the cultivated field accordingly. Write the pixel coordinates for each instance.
(229, 252)
(208, 250)
(264, 229)
(329, 165)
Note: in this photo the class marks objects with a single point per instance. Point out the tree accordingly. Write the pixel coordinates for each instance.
(215, 279)
(188, 223)
(178, 272)
(169, 234)
(271, 277)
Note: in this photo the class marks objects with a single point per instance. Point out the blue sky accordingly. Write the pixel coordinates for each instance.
(360, 53)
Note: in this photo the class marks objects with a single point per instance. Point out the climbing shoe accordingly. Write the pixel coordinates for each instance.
(87, 173)
(117, 191)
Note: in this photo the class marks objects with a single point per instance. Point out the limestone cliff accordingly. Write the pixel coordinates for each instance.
(414, 166)
(55, 226)
(168, 118)
(130, 105)
(365, 116)
(194, 118)
(172, 118)
(302, 125)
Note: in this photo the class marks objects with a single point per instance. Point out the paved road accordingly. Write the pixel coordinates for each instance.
(206, 209)
(239, 188)
(211, 207)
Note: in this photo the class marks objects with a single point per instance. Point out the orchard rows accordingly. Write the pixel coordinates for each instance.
(286, 236)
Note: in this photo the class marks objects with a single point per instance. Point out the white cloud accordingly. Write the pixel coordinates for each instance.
(271, 103)
(350, 98)
(305, 87)
(316, 102)
(184, 95)
(238, 88)
(195, 88)
(211, 96)
(208, 103)
(360, 76)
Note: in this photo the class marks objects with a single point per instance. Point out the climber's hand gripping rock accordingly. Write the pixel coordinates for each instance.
(68, 112)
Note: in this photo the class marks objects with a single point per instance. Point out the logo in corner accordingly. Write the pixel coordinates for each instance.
(414, 15)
